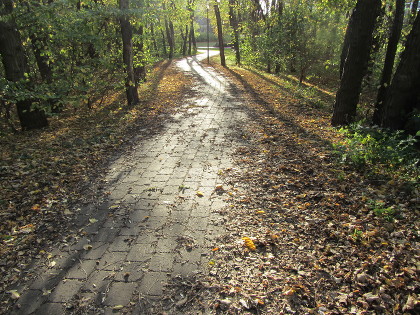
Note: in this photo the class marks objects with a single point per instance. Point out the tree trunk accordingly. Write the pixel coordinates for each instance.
(414, 8)
(170, 40)
(404, 93)
(15, 66)
(389, 59)
(140, 71)
(356, 56)
(235, 27)
(41, 59)
(184, 40)
(165, 51)
(220, 35)
(154, 42)
(193, 40)
(127, 39)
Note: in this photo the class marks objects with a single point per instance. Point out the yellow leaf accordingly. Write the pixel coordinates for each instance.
(199, 194)
(14, 294)
(249, 243)
(93, 220)
(260, 212)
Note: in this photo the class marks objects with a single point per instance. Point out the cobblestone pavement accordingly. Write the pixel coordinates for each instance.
(161, 217)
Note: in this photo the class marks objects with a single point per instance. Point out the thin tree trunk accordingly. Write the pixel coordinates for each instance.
(140, 71)
(169, 38)
(357, 50)
(184, 40)
(404, 93)
(235, 27)
(414, 8)
(154, 42)
(127, 39)
(15, 66)
(165, 51)
(220, 35)
(389, 59)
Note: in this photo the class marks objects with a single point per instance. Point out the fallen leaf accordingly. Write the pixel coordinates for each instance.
(93, 220)
(118, 307)
(87, 247)
(14, 294)
(199, 194)
(249, 243)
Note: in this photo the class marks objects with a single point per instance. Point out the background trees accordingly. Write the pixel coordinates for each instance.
(71, 52)
(66, 54)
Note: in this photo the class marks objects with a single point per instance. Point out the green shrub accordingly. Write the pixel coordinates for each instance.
(380, 151)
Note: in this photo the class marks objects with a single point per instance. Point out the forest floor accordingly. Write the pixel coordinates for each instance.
(302, 233)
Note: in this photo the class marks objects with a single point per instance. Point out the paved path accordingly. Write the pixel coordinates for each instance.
(161, 218)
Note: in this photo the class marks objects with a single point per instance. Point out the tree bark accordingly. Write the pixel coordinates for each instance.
(140, 71)
(235, 27)
(127, 39)
(220, 35)
(355, 55)
(184, 40)
(15, 66)
(389, 59)
(404, 93)
(170, 40)
(154, 42)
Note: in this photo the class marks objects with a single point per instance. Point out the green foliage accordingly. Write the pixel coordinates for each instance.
(380, 210)
(380, 151)
(357, 235)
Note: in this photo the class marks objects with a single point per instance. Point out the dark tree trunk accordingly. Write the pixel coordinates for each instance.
(235, 27)
(404, 93)
(154, 42)
(15, 66)
(389, 59)
(414, 8)
(356, 56)
(41, 59)
(170, 39)
(172, 30)
(184, 40)
(165, 51)
(140, 71)
(127, 39)
(220, 35)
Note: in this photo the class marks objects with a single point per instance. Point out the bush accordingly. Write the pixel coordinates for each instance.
(380, 151)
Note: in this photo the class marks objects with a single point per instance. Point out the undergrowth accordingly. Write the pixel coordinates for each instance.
(380, 152)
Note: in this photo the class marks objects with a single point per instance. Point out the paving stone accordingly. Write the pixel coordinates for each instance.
(52, 308)
(97, 251)
(65, 290)
(141, 253)
(106, 235)
(152, 283)
(111, 260)
(130, 272)
(121, 244)
(120, 293)
(81, 270)
(98, 282)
